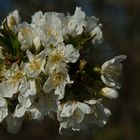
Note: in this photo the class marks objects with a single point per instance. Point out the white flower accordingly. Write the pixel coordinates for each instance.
(22, 107)
(51, 26)
(36, 64)
(38, 19)
(76, 23)
(34, 113)
(97, 34)
(111, 71)
(109, 92)
(13, 20)
(77, 115)
(36, 82)
(50, 33)
(72, 113)
(47, 104)
(28, 88)
(57, 82)
(99, 113)
(28, 36)
(94, 29)
(26, 97)
(3, 108)
(13, 79)
(62, 54)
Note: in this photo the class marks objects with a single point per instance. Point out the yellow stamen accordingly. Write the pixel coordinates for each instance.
(35, 64)
(56, 57)
(58, 79)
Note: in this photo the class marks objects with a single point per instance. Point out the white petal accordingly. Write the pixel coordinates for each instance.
(98, 34)
(107, 82)
(25, 101)
(37, 43)
(32, 87)
(42, 55)
(47, 104)
(60, 92)
(48, 86)
(71, 54)
(68, 109)
(102, 115)
(84, 108)
(116, 59)
(78, 116)
(109, 93)
(3, 102)
(23, 87)
(35, 114)
(28, 88)
(79, 17)
(12, 20)
(30, 56)
(91, 102)
(38, 18)
(33, 73)
(91, 24)
(119, 58)
(7, 89)
(19, 111)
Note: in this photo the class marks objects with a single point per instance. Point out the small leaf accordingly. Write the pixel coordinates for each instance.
(16, 45)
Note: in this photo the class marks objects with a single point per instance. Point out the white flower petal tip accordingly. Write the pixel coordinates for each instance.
(109, 93)
(97, 34)
(119, 58)
(13, 20)
(37, 43)
(107, 111)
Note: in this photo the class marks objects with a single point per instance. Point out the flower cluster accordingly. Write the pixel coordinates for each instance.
(44, 70)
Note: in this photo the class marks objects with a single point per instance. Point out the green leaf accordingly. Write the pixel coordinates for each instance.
(16, 45)
(80, 41)
(72, 40)
(9, 41)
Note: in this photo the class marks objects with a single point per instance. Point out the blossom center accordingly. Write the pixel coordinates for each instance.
(16, 77)
(35, 64)
(112, 72)
(56, 57)
(58, 79)
(25, 31)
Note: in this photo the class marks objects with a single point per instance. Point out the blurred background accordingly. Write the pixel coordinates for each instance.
(121, 29)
